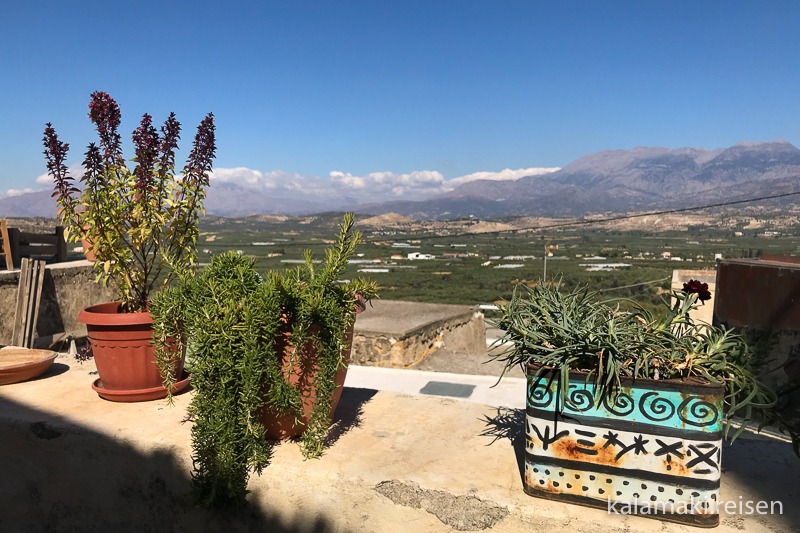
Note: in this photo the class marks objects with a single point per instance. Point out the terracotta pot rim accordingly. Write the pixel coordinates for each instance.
(109, 314)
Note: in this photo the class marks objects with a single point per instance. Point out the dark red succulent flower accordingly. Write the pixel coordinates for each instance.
(698, 288)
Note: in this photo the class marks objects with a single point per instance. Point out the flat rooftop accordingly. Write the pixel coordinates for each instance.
(409, 451)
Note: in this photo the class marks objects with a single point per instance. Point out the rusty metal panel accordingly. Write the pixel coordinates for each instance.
(654, 450)
(758, 293)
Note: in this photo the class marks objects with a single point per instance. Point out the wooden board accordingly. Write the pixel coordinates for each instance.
(29, 295)
(6, 245)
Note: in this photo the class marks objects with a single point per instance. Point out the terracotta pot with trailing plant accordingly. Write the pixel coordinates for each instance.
(627, 409)
(268, 356)
(142, 225)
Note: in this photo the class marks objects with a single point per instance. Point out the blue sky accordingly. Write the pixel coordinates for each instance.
(403, 94)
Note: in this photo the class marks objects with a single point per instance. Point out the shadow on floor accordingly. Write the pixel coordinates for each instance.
(60, 477)
(508, 424)
(348, 413)
(770, 470)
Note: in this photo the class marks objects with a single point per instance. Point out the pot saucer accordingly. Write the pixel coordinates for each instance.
(139, 395)
(21, 364)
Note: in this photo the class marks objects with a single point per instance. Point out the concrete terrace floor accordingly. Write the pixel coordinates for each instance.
(401, 457)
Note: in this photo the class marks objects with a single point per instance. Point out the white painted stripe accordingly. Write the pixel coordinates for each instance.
(635, 451)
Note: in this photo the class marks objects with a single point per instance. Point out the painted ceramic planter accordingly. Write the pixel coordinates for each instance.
(654, 450)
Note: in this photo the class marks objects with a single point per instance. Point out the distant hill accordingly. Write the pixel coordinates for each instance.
(622, 180)
(28, 205)
(610, 181)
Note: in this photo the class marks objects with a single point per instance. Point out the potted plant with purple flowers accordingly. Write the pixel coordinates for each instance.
(143, 228)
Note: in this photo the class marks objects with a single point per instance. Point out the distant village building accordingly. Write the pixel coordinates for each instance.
(666, 255)
(603, 267)
(418, 255)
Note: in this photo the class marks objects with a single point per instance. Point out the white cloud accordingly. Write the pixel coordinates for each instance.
(338, 185)
(503, 175)
(392, 186)
(253, 179)
(373, 187)
(8, 193)
(75, 171)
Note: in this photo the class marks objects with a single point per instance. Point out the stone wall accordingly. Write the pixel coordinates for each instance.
(403, 334)
(68, 288)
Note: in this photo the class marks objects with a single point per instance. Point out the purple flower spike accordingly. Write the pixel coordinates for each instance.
(203, 150)
(55, 152)
(146, 142)
(170, 135)
(106, 115)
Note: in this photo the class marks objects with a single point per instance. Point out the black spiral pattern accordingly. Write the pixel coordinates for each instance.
(657, 409)
(539, 394)
(698, 412)
(580, 399)
(622, 404)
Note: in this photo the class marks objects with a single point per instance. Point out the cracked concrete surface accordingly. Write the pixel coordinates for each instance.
(462, 513)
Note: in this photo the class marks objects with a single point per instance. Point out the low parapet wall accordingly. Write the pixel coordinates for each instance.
(390, 333)
(402, 334)
(68, 288)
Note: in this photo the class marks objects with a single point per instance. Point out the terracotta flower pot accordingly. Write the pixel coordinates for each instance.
(123, 352)
(283, 426)
(87, 247)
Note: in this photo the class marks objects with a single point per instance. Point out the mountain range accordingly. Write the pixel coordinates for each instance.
(639, 179)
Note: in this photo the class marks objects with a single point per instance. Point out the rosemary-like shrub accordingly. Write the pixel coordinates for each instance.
(229, 319)
(562, 332)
